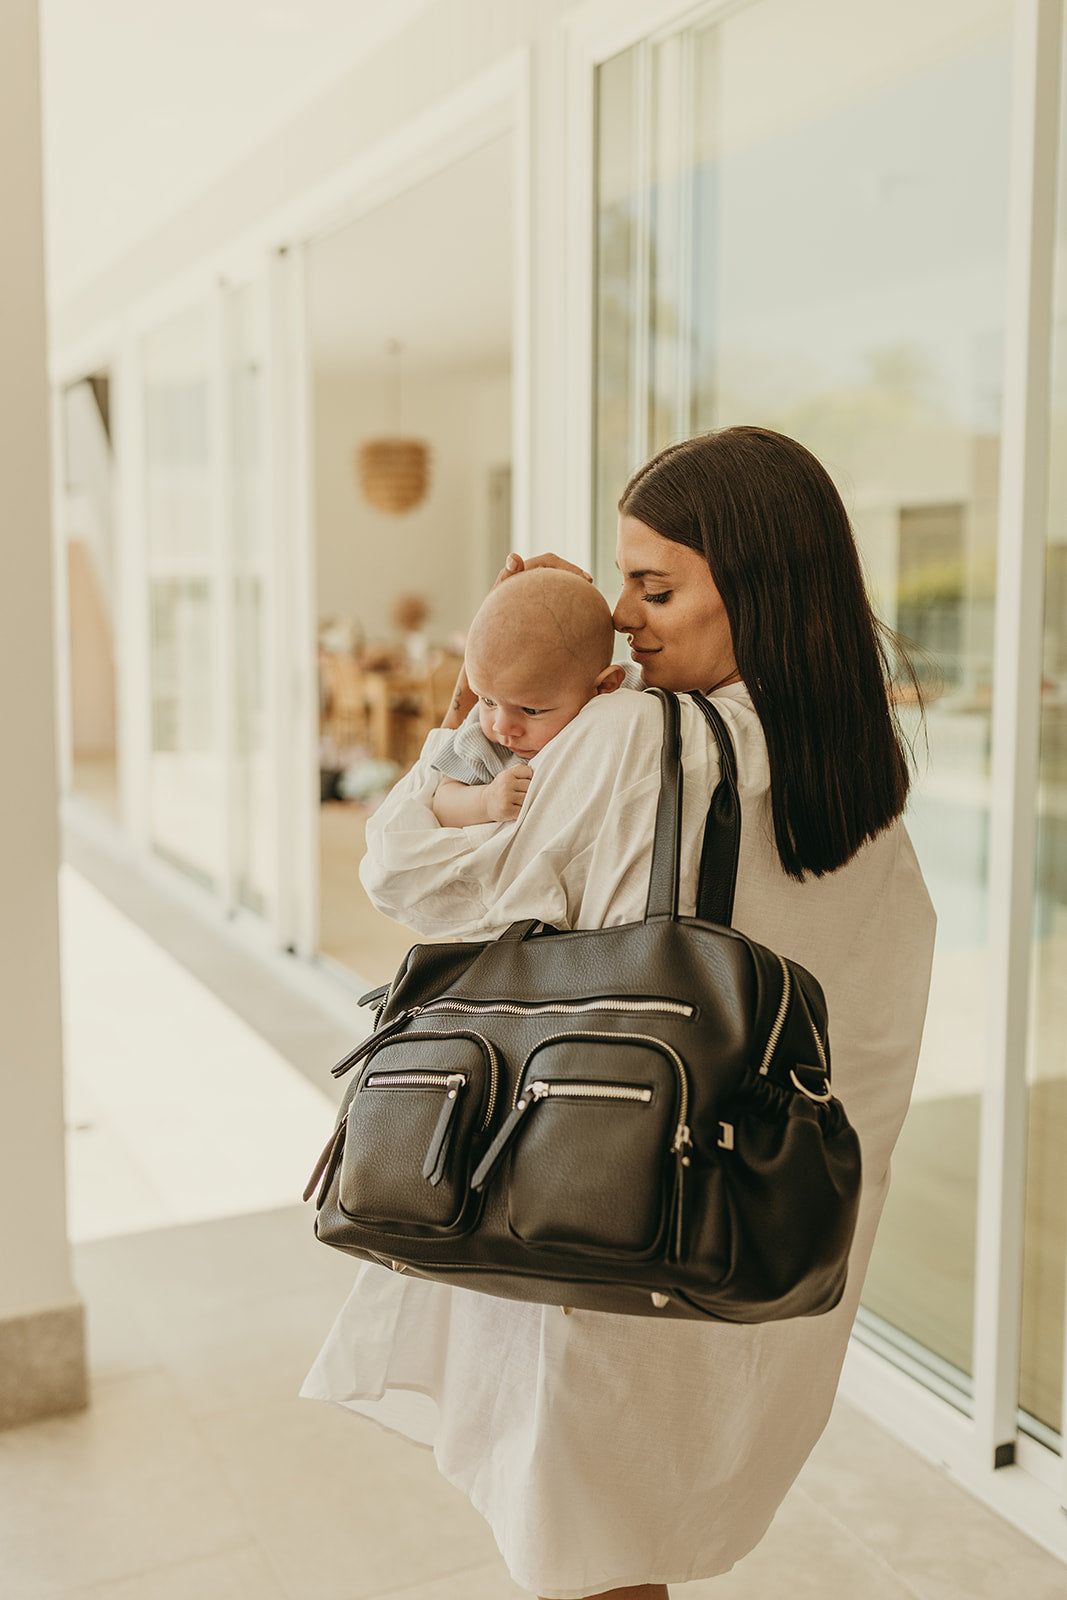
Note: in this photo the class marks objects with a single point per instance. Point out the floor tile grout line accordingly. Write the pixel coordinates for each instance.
(152, 1569)
(855, 1539)
(441, 1577)
(275, 1569)
(381, 1594)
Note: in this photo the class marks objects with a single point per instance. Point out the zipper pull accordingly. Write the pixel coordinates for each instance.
(486, 1166)
(683, 1143)
(372, 1042)
(326, 1158)
(374, 997)
(433, 1167)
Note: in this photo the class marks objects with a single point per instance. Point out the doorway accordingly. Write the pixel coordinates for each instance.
(409, 318)
(88, 542)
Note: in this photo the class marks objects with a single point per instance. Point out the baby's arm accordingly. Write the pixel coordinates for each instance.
(463, 805)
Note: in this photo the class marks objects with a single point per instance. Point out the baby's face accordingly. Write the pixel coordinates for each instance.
(523, 707)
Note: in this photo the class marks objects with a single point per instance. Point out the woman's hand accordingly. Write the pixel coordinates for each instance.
(462, 702)
(516, 563)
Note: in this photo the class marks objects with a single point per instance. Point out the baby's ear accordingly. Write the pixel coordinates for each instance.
(610, 679)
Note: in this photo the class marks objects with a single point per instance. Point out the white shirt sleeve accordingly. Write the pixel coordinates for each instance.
(587, 818)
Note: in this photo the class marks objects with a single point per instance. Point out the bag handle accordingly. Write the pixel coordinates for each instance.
(722, 830)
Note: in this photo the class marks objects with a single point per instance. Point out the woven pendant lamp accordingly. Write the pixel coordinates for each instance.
(394, 471)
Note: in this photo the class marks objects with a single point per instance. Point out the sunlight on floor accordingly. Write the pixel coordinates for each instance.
(177, 1110)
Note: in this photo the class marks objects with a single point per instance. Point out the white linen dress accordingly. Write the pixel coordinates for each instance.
(606, 1450)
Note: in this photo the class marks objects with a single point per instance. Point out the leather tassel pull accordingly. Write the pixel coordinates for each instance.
(433, 1167)
(487, 1165)
(324, 1160)
(347, 1062)
(683, 1144)
(679, 1210)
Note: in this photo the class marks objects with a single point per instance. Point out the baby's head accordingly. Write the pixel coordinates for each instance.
(538, 650)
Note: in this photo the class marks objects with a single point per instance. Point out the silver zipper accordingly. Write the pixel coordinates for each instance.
(818, 1040)
(566, 1008)
(426, 1078)
(779, 1023)
(415, 1080)
(494, 1076)
(568, 1089)
(681, 1133)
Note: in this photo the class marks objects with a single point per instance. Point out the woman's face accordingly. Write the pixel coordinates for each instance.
(672, 611)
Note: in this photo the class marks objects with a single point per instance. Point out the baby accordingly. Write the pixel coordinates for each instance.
(538, 650)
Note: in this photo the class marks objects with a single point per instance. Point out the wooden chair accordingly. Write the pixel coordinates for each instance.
(427, 697)
(346, 712)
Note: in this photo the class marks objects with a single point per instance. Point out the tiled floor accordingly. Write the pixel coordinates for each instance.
(197, 1474)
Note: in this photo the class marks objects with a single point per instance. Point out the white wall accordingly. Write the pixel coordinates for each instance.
(435, 56)
(367, 558)
(265, 201)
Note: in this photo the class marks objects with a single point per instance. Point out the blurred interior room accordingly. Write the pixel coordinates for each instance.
(401, 568)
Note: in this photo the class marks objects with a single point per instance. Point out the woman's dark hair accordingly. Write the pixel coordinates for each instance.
(770, 524)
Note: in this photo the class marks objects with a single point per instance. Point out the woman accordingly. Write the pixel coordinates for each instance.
(612, 1454)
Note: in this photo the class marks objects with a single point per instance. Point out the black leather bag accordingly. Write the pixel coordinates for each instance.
(632, 1119)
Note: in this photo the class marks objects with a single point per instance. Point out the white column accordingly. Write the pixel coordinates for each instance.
(42, 1354)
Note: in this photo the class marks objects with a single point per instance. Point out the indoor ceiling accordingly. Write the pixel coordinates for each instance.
(149, 102)
(432, 268)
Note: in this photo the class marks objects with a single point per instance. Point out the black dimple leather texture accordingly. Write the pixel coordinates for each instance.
(590, 1173)
(389, 1132)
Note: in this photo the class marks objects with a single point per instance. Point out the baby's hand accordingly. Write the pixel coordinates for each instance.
(504, 796)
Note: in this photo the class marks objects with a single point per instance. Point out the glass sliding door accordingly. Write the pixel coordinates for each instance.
(211, 785)
(1045, 1240)
(186, 808)
(251, 811)
(814, 240)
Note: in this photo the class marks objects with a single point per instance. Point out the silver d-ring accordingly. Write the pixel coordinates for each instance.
(819, 1099)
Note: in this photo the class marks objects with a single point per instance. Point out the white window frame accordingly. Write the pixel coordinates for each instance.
(1021, 1479)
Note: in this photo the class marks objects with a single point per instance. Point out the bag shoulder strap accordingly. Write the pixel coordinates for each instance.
(722, 829)
(667, 833)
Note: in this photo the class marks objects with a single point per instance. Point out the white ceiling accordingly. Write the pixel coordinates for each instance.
(148, 102)
(433, 268)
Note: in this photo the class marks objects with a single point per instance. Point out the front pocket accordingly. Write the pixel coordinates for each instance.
(594, 1125)
(411, 1123)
